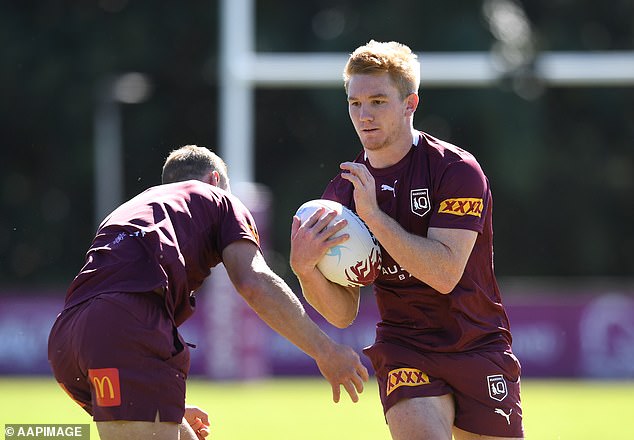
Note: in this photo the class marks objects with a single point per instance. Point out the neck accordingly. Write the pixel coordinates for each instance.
(392, 153)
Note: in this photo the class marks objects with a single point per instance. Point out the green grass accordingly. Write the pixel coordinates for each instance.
(303, 409)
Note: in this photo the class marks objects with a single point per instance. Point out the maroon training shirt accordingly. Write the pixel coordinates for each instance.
(169, 236)
(436, 185)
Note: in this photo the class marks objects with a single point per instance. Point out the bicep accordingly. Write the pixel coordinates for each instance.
(243, 260)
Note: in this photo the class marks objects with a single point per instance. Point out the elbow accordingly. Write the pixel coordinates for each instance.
(341, 323)
(448, 279)
(447, 284)
(334, 317)
(445, 289)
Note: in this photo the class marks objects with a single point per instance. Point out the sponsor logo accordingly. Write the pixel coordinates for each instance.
(505, 415)
(419, 201)
(254, 232)
(497, 387)
(461, 206)
(385, 187)
(123, 235)
(395, 271)
(405, 377)
(105, 381)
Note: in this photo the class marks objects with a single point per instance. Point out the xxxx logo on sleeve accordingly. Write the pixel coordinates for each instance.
(105, 382)
(461, 206)
(405, 377)
(254, 231)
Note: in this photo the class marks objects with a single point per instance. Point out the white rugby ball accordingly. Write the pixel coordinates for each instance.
(357, 261)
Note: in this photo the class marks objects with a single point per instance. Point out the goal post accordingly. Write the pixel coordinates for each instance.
(242, 69)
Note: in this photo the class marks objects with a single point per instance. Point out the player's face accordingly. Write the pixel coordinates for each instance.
(377, 111)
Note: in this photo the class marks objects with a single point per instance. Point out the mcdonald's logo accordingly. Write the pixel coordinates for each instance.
(105, 382)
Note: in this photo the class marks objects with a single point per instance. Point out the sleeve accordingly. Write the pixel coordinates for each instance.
(461, 197)
(236, 223)
(339, 190)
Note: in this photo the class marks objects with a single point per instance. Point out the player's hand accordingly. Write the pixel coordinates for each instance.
(364, 188)
(198, 420)
(311, 240)
(342, 366)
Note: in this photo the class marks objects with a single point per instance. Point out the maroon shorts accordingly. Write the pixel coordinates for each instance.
(119, 356)
(485, 385)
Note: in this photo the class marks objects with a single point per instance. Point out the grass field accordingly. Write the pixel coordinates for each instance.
(302, 409)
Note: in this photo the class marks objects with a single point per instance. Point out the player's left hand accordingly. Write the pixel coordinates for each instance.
(341, 366)
(364, 188)
(198, 420)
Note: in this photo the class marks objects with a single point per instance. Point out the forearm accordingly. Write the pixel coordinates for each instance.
(427, 259)
(339, 305)
(276, 304)
(281, 310)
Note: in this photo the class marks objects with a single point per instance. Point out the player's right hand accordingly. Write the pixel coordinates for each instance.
(198, 420)
(311, 240)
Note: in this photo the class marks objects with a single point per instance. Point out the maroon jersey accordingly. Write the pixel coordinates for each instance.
(168, 237)
(442, 186)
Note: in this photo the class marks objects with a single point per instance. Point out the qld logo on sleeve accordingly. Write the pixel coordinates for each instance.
(461, 206)
(419, 201)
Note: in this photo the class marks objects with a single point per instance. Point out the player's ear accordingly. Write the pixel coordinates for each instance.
(215, 176)
(218, 180)
(212, 178)
(411, 103)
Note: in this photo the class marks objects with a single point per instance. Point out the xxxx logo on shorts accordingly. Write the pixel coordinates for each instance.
(105, 381)
(461, 206)
(405, 377)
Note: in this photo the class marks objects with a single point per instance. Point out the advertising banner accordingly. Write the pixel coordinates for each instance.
(587, 335)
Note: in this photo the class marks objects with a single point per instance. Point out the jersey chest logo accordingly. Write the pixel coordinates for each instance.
(419, 201)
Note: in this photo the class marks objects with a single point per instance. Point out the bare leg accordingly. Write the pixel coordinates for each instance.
(157, 430)
(459, 434)
(423, 418)
(126, 430)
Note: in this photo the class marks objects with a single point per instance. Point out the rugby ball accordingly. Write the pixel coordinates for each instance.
(357, 261)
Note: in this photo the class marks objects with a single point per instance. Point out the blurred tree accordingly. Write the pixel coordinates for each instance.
(561, 161)
(54, 56)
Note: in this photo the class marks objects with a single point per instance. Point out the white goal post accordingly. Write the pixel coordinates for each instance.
(242, 69)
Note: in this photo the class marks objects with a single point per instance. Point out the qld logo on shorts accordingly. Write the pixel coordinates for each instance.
(419, 201)
(497, 387)
(105, 382)
(405, 377)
